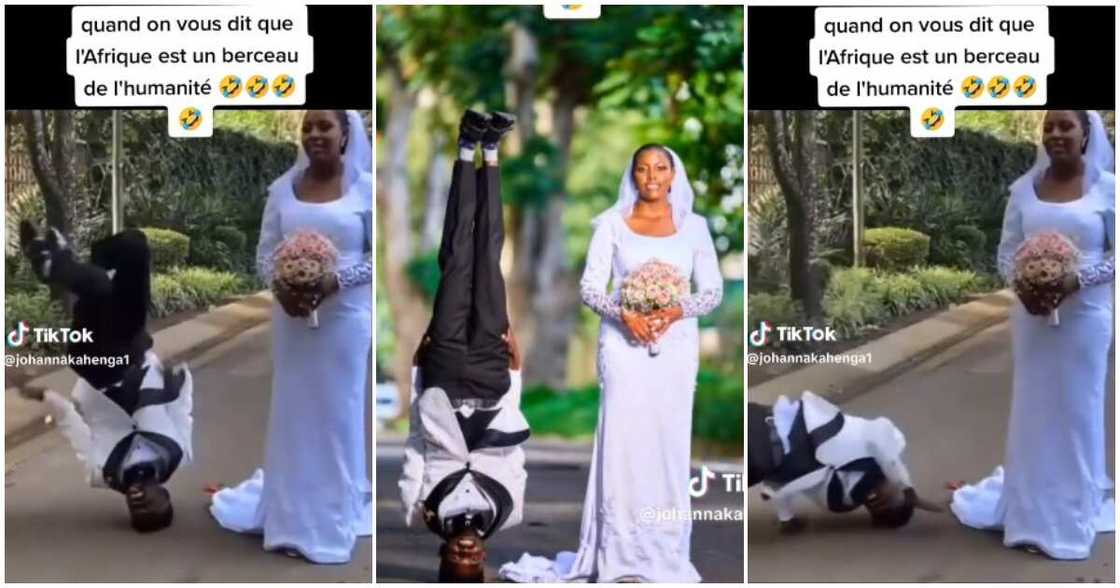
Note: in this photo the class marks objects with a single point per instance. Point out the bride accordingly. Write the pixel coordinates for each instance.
(1050, 495)
(313, 497)
(636, 524)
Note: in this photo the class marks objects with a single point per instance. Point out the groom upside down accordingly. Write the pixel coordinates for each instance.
(464, 470)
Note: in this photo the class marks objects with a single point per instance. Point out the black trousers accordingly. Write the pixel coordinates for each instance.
(466, 354)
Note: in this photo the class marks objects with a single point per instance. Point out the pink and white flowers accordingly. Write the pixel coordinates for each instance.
(656, 285)
(1042, 263)
(301, 261)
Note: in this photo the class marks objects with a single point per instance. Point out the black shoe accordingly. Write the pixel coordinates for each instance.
(472, 128)
(501, 123)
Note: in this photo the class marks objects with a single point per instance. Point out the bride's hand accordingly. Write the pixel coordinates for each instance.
(664, 318)
(293, 302)
(639, 327)
(328, 286)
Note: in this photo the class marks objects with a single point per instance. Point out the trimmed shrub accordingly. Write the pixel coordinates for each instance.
(212, 254)
(232, 237)
(169, 248)
(895, 248)
(853, 301)
(777, 309)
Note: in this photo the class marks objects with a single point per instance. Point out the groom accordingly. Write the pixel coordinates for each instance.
(808, 448)
(132, 422)
(464, 473)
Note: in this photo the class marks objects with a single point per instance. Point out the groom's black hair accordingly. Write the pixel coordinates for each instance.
(648, 147)
(898, 516)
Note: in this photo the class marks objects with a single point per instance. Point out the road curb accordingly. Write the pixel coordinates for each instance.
(25, 419)
(891, 354)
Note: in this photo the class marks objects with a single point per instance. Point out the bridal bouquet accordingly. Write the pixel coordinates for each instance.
(655, 285)
(1042, 263)
(302, 260)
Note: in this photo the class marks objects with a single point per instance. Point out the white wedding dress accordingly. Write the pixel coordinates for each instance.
(640, 465)
(314, 494)
(1051, 491)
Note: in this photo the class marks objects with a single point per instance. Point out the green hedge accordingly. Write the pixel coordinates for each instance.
(946, 285)
(205, 286)
(169, 248)
(895, 248)
(38, 310)
(777, 309)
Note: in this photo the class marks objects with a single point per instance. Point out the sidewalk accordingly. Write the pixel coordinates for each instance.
(890, 355)
(25, 418)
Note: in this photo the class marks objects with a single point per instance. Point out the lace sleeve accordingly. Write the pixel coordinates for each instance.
(271, 236)
(1010, 238)
(709, 282)
(597, 274)
(1104, 271)
(360, 274)
(356, 275)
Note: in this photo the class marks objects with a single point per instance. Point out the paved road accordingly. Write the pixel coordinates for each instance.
(953, 409)
(60, 530)
(554, 496)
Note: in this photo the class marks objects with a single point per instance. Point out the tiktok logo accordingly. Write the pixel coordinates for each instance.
(17, 335)
(760, 335)
(702, 481)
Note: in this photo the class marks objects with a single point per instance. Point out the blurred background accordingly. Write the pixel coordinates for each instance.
(586, 94)
(929, 217)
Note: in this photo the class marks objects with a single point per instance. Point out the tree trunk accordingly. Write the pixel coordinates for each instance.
(438, 186)
(525, 226)
(395, 232)
(50, 163)
(554, 299)
(792, 148)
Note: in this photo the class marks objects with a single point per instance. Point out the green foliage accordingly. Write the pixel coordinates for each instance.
(718, 407)
(903, 294)
(213, 254)
(18, 276)
(895, 248)
(776, 309)
(717, 414)
(423, 270)
(205, 287)
(168, 296)
(169, 248)
(573, 414)
(964, 247)
(929, 186)
(858, 299)
(531, 177)
(36, 308)
(233, 237)
(853, 301)
(947, 285)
